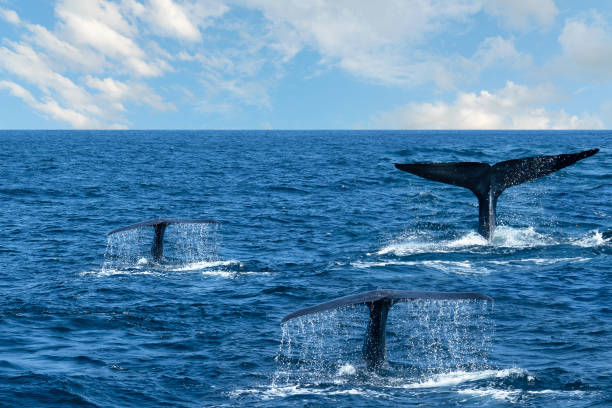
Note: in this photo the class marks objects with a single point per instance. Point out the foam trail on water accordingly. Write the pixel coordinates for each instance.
(454, 378)
(385, 386)
(504, 237)
(204, 265)
(438, 264)
(469, 267)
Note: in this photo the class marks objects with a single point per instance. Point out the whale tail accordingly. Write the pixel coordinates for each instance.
(159, 225)
(488, 182)
(379, 302)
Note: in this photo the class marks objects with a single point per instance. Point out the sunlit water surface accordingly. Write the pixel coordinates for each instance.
(90, 320)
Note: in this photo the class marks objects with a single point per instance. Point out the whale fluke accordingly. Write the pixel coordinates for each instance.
(160, 224)
(488, 182)
(379, 302)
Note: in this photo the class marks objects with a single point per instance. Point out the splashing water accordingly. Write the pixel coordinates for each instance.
(416, 243)
(313, 347)
(425, 339)
(184, 244)
(432, 337)
(189, 243)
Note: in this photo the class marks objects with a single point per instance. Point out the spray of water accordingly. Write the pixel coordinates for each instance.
(183, 244)
(431, 338)
(424, 339)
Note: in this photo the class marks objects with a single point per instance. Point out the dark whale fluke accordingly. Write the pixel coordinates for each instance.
(160, 224)
(379, 302)
(488, 182)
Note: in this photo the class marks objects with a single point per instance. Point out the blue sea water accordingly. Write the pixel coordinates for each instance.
(307, 216)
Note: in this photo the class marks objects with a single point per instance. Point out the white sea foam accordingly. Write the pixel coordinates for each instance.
(539, 261)
(450, 379)
(111, 271)
(461, 267)
(513, 395)
(508, 237)
(468, 267)
(495, 393)
(203, 265)
(143, 267)
(231, 274)
(504, 237)
(433, 263)
(458, 377)
(592, 239)
(346, 369)
(414, 244)
(304, 389)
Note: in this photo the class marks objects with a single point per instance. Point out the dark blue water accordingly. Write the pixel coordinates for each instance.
(307, 217)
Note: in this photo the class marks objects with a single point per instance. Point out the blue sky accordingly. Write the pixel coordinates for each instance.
(296, 64)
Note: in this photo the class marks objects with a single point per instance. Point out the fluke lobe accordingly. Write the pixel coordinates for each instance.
(488, 182)
(379, 302)
(160, 224)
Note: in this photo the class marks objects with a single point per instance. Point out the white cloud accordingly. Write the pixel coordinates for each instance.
(587, 47)
(117, 92)
(91, 37)
(103, 12)
(62, 54)
(9, 15)
(388, 42)
(513, 107)
(108, 86)
(368, 39)
(522, 14)
(100, 25)
(67, 101)
(236, 68)
(169, 18)
(24, 62)
(53, 109)
(221, 91)
(181, 20)
(494, 50)
(101, 55)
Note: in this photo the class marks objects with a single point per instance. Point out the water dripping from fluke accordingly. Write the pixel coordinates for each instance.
(153, 243)
(440, 332)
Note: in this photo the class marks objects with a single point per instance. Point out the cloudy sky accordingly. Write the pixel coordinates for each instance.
(296, 64)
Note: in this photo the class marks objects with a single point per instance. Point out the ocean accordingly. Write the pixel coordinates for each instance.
(89, 320)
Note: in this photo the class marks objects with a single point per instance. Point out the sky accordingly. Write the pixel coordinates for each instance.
(305, 64)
